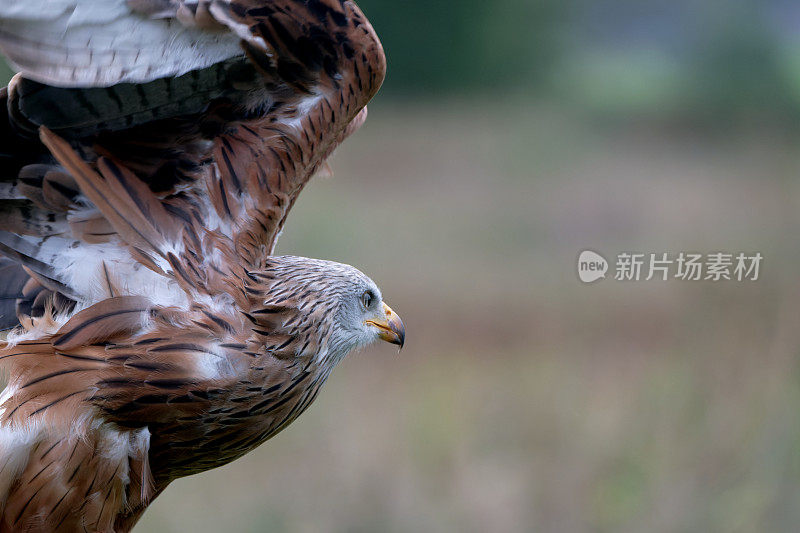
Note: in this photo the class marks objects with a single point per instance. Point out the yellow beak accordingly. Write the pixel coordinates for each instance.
(390, 327)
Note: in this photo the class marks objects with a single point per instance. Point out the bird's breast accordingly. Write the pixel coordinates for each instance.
(238, 419)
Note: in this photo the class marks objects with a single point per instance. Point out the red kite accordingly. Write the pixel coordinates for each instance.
(150, 151)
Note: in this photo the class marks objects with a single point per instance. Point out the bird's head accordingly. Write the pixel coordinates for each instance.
(319, 308)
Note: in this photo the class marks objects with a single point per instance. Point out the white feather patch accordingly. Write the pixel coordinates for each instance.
(90, 43)
(15, 448)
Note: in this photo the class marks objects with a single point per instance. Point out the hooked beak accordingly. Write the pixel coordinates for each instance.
(390, 327)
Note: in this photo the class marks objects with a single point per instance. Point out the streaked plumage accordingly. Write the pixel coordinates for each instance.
(158, 337)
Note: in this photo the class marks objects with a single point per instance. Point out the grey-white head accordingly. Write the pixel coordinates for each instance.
(332, 306)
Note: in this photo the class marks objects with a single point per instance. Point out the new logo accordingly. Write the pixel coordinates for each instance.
(591, 266)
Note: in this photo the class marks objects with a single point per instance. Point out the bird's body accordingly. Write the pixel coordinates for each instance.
(107, 419)
(157, 336)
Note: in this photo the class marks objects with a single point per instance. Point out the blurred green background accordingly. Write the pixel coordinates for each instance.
(511, 135)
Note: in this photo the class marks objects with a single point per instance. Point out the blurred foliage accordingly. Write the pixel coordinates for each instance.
(441, 47)
(709, 62)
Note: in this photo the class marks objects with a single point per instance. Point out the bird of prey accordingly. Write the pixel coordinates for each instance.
(150, 151)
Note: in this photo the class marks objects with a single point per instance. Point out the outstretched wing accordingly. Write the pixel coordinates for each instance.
(177, 203)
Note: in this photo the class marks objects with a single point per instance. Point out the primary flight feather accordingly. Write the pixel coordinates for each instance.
(150, 151)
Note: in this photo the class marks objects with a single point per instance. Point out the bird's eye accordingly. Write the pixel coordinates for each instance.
(366, 299)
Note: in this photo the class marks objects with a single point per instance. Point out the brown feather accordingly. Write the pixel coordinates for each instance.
(59, 190)
(94, 230)
(110, 319)
(116, 194)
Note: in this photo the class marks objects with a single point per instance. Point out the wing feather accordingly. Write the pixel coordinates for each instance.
(199, 194)
(126, 202)
(12, 280)
(84, 43)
